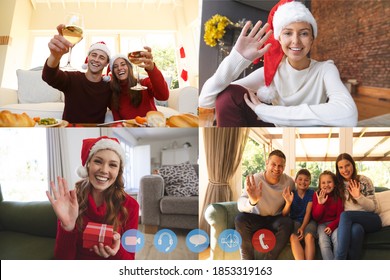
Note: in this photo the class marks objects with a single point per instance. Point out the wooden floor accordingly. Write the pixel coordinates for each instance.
(369, 107)
(205, 254)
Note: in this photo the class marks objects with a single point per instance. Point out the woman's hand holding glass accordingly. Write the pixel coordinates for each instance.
(250, 45)
(64, 202)
(145, 60)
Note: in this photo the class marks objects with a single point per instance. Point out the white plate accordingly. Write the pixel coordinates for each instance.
(59, 123)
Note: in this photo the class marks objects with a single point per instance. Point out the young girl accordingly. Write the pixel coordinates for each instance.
(299, 205)
(99, 197)
(327, 208)
(359, 205)
(291, 89)
(127, 103)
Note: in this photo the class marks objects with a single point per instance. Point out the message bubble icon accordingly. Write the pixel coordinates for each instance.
(197, 240)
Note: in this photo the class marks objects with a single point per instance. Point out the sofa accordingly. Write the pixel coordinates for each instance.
(37, 99)
(27, 230)
(220, 216)
(160, 210)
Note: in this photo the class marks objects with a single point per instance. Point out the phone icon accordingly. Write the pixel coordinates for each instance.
(262, 244)
(263, 240)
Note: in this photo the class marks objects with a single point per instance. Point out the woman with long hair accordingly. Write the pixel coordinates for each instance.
(291, 89)
(99, 197)
(128, 103)
(359, 205)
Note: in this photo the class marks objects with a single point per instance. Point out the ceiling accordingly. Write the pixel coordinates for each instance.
(96, 3)
(323, 144)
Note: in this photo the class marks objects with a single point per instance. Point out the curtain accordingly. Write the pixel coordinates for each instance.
(57, 154)
(224, 148)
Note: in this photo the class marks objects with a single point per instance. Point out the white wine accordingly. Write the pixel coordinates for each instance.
(73, 33)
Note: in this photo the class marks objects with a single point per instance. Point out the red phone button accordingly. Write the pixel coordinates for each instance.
(263, 240)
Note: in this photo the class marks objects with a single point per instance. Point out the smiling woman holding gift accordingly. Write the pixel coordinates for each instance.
(99, 201)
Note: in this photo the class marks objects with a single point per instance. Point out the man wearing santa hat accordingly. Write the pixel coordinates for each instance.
(291, 89)
(87, 95)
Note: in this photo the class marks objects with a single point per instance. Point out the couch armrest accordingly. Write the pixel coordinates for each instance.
(8, 96)
(220, 216)
(151, 192)
(184, 100)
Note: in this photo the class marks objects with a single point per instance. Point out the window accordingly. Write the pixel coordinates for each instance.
(23, 164)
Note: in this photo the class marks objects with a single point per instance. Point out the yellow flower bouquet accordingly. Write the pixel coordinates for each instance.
(215, 29)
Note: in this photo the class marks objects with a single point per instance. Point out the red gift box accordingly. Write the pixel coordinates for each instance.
(96, 233)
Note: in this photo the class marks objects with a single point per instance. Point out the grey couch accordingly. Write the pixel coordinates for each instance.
(161, 211)
(220, 216)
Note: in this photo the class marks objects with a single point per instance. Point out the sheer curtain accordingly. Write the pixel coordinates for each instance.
(224, 148)
(58, 159)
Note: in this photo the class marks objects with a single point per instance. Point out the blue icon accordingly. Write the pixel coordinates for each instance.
(229, 240)
(197, 240)
(133, 240)
(165, 241)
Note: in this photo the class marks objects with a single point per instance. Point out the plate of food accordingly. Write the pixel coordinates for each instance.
(49, 122)
(152, 119)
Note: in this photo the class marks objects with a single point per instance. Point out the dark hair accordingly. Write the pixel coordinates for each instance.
(338, 188)
(277, 153)
(350, 159)
(303, 171)
(135, 95)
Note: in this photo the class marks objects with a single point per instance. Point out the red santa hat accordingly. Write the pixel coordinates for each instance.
(93, 145)
(281, 15)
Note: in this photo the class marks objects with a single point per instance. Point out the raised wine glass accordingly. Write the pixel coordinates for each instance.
(133, 55)
(73, 32)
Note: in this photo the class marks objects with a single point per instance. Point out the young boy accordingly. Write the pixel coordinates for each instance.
(298, 205)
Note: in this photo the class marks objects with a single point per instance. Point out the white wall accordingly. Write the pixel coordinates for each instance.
(158, 145)
(75, 138)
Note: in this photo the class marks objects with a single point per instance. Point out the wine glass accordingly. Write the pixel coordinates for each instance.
(73, 32)
(134, 55)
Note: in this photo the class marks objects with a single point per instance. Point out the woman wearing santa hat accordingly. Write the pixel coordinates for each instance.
(128, 103)
(291, 89)
(99, 197)
(87, 95)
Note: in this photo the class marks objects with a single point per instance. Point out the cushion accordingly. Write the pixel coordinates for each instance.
(383, 199)
(32, 89)
(180, 179)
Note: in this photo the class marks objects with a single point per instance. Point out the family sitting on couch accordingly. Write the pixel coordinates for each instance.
(339, 213)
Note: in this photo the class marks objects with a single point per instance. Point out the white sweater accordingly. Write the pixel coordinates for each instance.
(300, 97)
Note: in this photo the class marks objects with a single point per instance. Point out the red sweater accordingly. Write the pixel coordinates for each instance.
(157, 88)
(85, 101)
(69, 244)
(330, 211)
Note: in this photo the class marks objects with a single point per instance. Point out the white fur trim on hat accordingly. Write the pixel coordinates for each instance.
(115, 57)
(82, 172)
(292, 12)
(100, 46)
